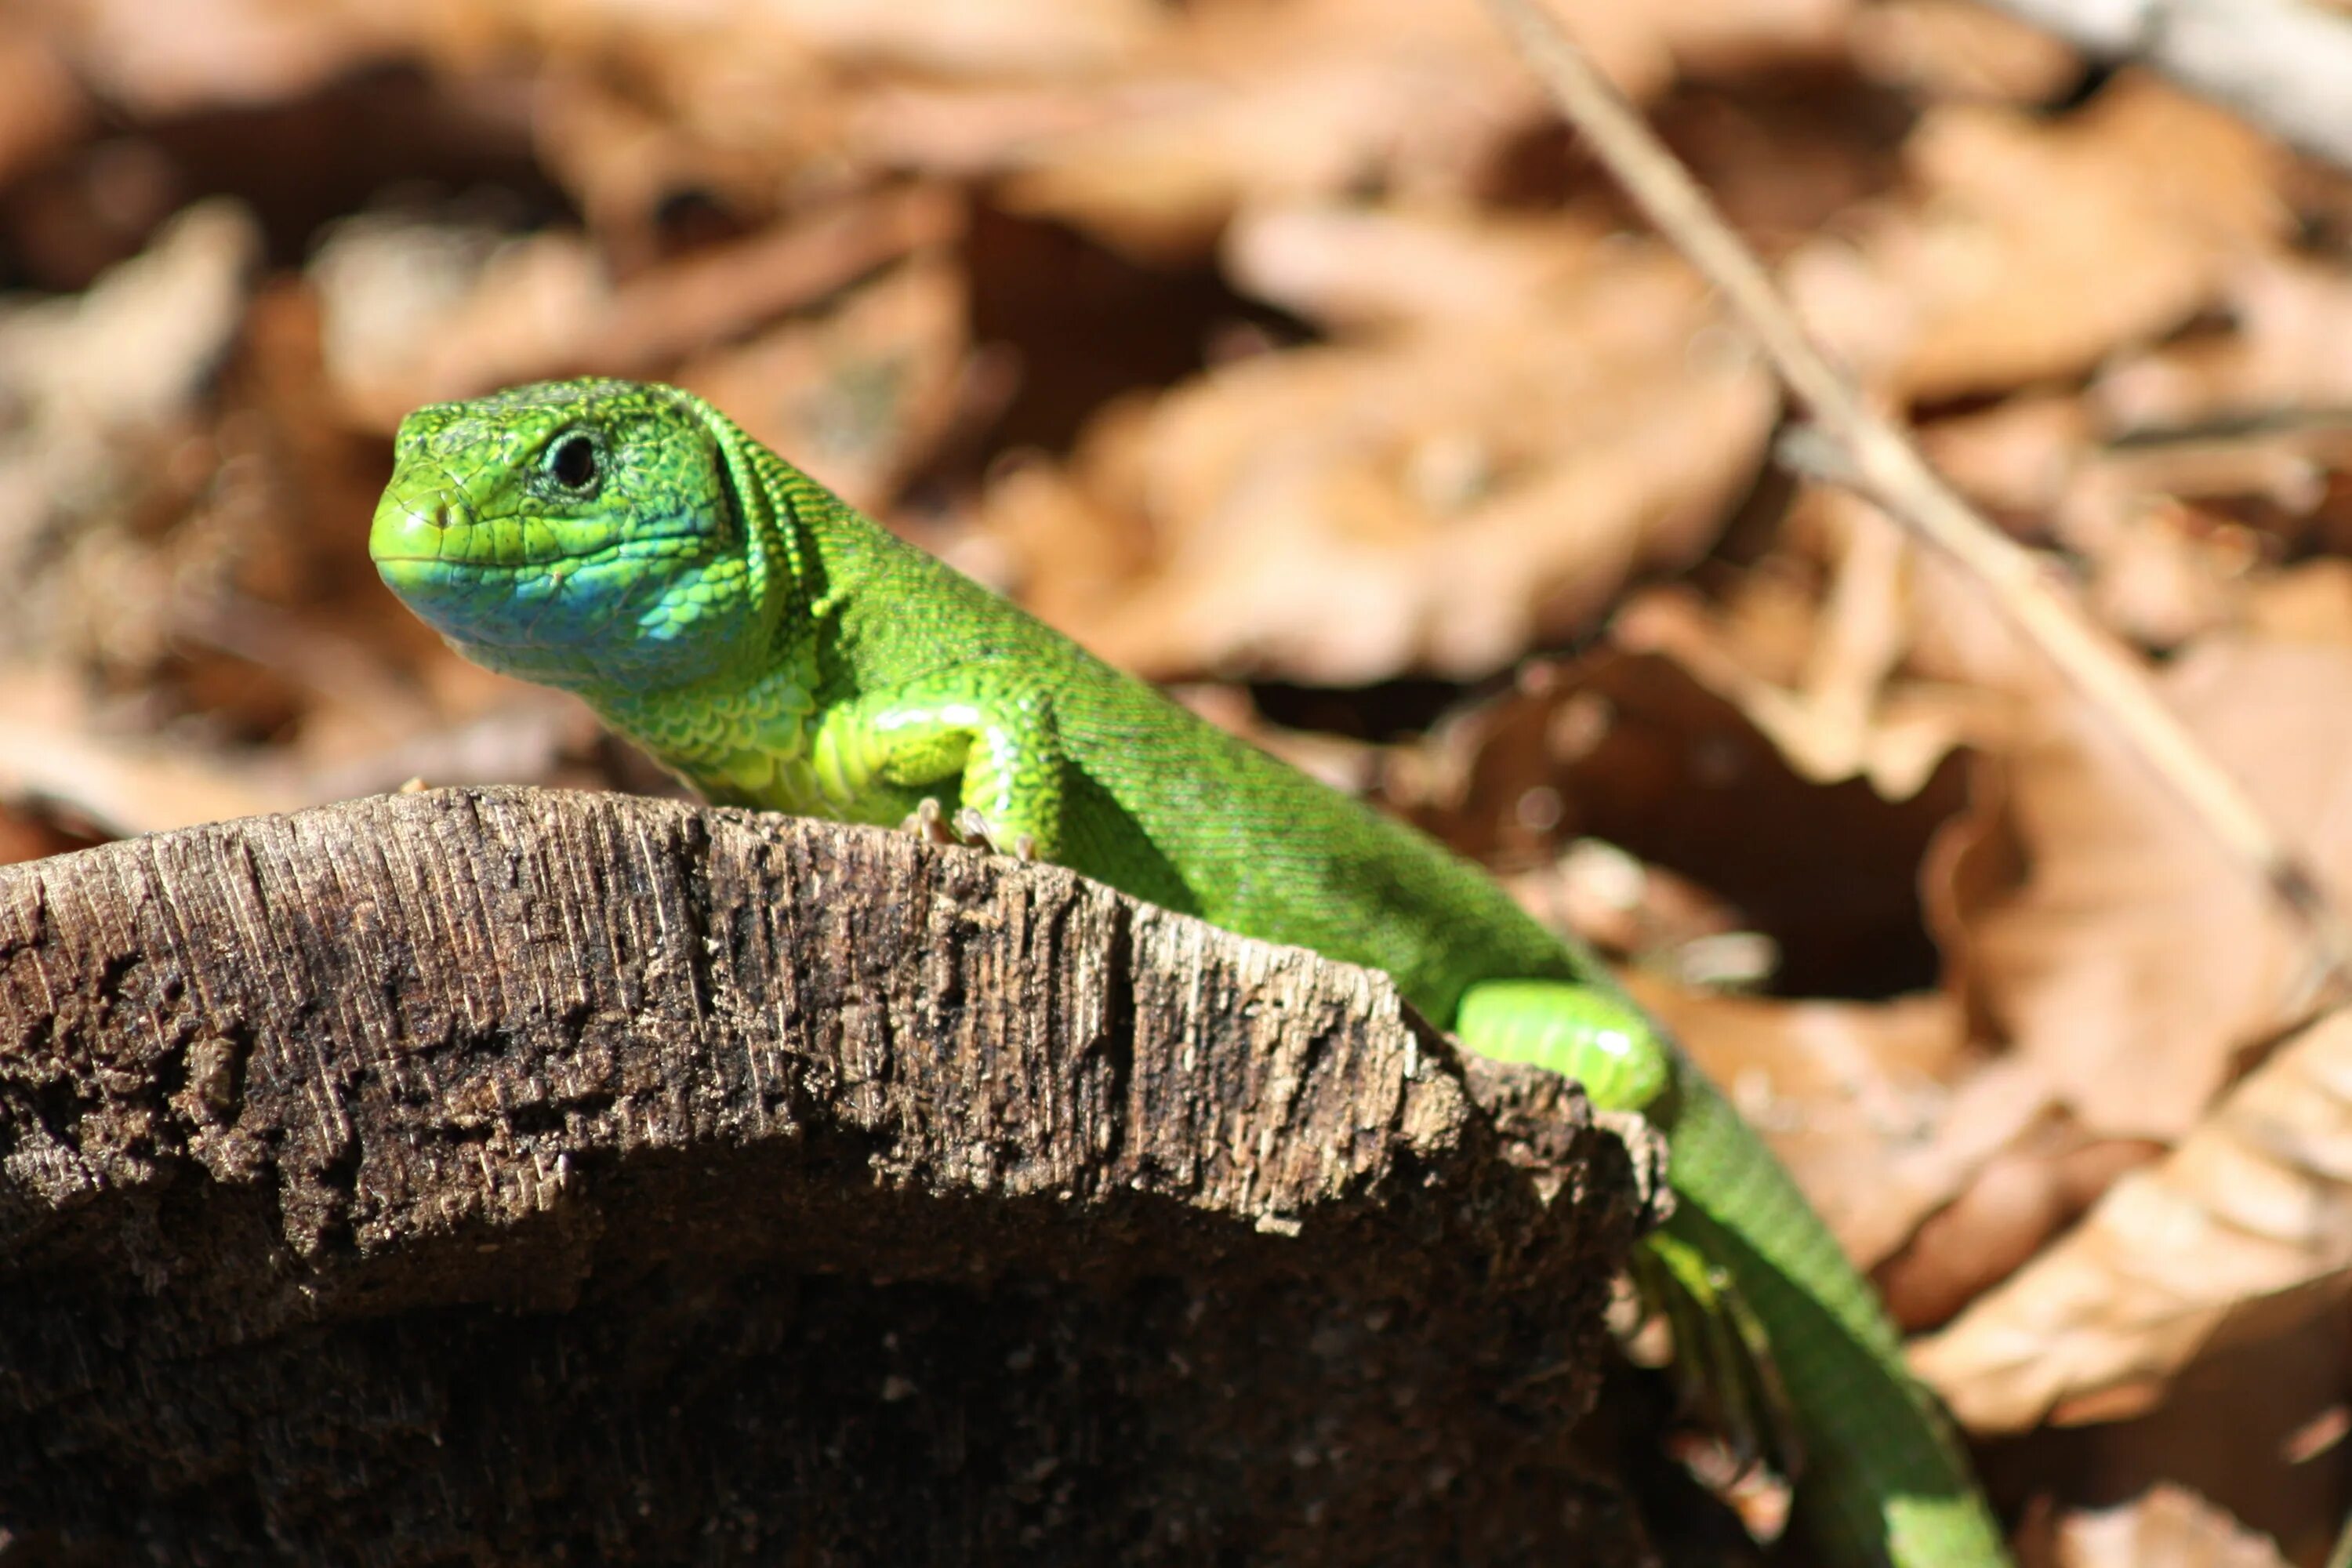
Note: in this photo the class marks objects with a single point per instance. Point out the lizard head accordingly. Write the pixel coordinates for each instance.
(582, 533)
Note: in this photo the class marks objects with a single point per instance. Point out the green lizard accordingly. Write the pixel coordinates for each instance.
(778, 649)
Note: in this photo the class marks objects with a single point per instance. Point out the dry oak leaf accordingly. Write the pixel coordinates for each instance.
(2160, 571)
(2042, 1181)
(857, 395)
(42, 106)
(953, 38)
(2308, 602)
(2167, 1527)
(2256, 1201)
(98, 386)
(1436, 500)
(2290, 348)
(418, 311)
(1298, 100)
(747, 100)
(1350, 267)
(1319, 96)
(1868, 1104)
(1958, 48)
(2136, 960)
(50, 756)
(2032, 250)
(2016, 456)
(1842, 712)
(135, 348)
(162, 61)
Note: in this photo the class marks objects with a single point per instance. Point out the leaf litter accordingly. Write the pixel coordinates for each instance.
(1291, 352)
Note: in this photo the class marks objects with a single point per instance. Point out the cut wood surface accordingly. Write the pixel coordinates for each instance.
(507, 1176)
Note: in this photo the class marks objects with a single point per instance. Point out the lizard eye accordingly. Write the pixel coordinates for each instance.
(571, 463)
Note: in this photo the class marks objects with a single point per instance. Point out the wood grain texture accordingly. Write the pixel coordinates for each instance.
(514, 1177)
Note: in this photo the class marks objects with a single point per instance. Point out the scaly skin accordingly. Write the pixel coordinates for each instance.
(777, 650)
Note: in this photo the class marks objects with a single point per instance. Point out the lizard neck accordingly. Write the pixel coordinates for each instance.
(740, 739)
(741, 735)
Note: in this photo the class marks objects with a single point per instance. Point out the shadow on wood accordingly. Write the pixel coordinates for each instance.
(510, 1176)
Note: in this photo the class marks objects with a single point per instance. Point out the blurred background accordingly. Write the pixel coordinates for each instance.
(1290, 351)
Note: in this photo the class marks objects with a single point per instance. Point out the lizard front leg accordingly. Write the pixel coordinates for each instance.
(995, 754)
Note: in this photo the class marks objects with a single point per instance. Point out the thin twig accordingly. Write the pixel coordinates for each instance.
(1886, 469)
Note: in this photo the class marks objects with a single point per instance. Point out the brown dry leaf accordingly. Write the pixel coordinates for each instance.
(859, 395)
(2010, 1205)
(415, 310)
(1002, 39)
(2255, 1202)
(2310, 602)
(2284, 471)
(1298, 100)
(1630, 750)
(42, 108)
(748, 100)
(527, 736)
(1957, 48)
(1667, 924)
(97, 387)
(759, 105)
(2137, 959)
(1435, 502)
(1048, 531)
(132, 350)
(966, 130)
(1825, 681)
(2160, 572)
(34, 834)
(54, 756)
(2163, 573)
(155, 62)
(48, 756)
(622, 157)
(2015, 457)
(2290, 347)
(2255, 1425)
(419, 310)
(1843, 715)
(1876, 1108)
(1960, 634)
(1313, 99)
(2169, 1528)
(2032, 251)
(1349, 267)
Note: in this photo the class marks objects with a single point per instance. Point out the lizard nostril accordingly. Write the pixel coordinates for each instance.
(441, 516)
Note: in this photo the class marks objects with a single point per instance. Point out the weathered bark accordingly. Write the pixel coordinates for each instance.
(509, 1176)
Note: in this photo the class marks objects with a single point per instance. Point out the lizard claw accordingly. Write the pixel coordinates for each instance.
(976, 829)
(929, 823)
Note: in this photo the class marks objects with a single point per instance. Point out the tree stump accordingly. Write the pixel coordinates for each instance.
(508, 1176)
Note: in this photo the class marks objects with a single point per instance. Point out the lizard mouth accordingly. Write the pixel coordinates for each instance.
(417, 542)
(512, 566)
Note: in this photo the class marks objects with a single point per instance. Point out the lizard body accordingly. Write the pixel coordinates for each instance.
(778, 649)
